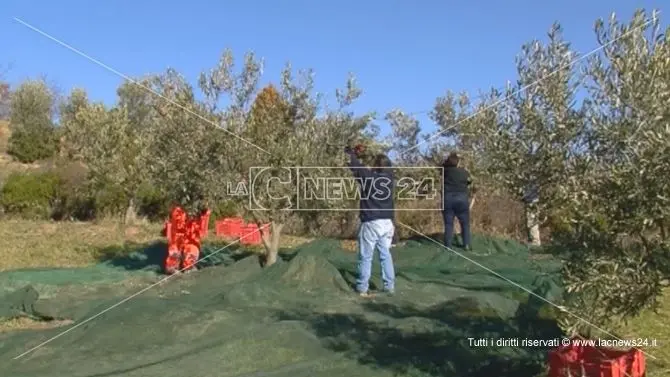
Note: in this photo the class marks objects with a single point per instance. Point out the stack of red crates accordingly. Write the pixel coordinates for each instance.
(235, 227)
(583, 360)
(250, 235)
(229, 227)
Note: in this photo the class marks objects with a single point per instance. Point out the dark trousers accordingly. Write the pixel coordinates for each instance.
(456, 205)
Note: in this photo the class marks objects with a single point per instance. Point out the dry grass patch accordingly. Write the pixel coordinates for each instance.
(290, 242)
(46, 244)
(4, 136)
(24, 323)
(65, 244)
(349, 245)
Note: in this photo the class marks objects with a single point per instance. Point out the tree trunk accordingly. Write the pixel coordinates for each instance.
(532, 225)
(271, 243)
(664, 231)
(131, 213)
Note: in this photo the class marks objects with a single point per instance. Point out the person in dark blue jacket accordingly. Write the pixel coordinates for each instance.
(455, 201)
(376, 216)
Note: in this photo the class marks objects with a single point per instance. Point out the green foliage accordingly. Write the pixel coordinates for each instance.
(111, 199)
(30, 195)
(113, 149)
(74, 201)
(32, 129)
(152, 203)
(187, 158)
(64, 193)
(284, 126)
(74, 205)
(521, 139)
(405, 140)
(616, 204)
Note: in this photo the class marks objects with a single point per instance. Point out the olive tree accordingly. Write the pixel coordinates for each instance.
(405, 136)
(461, 123)
(31, 109)
(280, 136)
(186, 149)
(302, 145)
(453, 114)
(113, 150)
(413, 184)
(617, 204)
(140, 99)
(527, 132)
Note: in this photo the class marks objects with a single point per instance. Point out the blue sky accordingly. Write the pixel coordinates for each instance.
(403, 54)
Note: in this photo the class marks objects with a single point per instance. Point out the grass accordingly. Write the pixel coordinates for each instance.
(17, 324)
(650, 326)
(4, 136)
(28, 244)
(44, 244)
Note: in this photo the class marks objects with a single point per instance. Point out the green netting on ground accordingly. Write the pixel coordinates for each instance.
(296, 318)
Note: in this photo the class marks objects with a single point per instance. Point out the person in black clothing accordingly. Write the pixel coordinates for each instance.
(455, 201)
(376, 215)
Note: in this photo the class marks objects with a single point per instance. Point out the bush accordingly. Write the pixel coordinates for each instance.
(110, 200)
(30, 195)
(152, 204)
(28, 146)
(73, 201)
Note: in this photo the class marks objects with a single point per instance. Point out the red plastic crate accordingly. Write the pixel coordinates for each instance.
(219, 228)
(167, 230)
(229, 227)
(593, 361)
(251, 235)
(204, 223)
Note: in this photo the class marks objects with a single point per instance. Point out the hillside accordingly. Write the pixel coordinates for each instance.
(4, 136)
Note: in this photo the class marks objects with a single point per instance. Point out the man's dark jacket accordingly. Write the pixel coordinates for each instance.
(376, 189)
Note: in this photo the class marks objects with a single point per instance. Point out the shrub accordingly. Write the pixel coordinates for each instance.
(30, 195)
(152, 204)
(110, 200)
(28, 146)
(74, 201)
